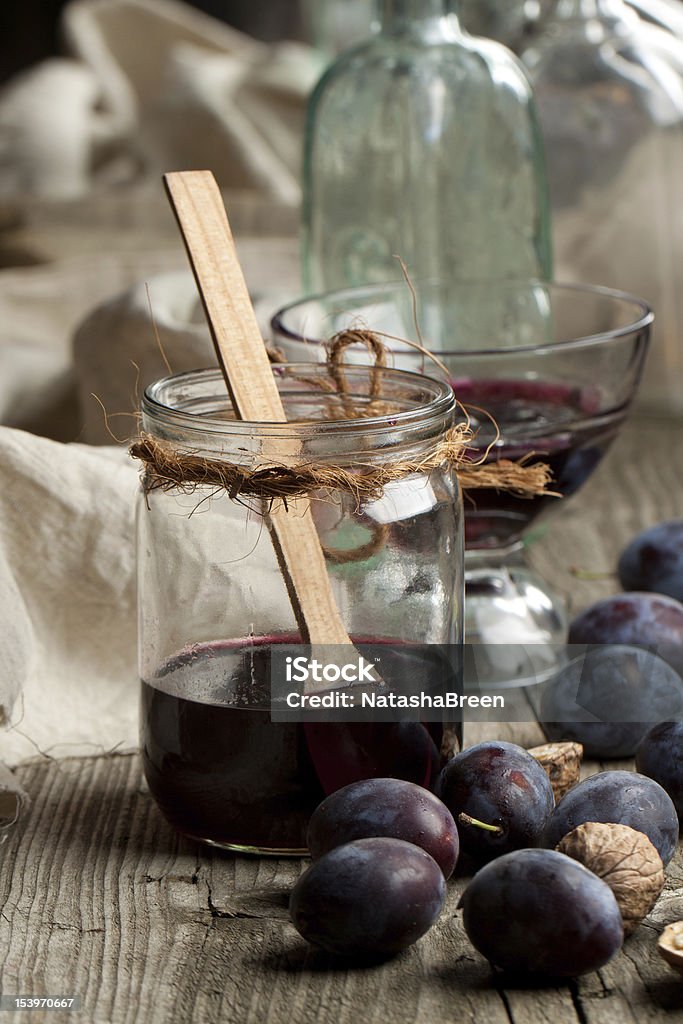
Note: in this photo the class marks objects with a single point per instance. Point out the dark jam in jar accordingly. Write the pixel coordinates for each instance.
(223, 772)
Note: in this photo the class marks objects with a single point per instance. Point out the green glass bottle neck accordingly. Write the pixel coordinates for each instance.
(408, 15)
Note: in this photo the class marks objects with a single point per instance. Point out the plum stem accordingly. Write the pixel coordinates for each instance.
(466, 819)
(590, 576)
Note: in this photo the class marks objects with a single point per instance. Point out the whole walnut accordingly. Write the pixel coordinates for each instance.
(670, 945)
(625, 859)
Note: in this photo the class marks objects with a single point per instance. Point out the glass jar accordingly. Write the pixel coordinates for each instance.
(213, 605)
(423, 143)
(609, 89)
(507, 22)
(558, 376)
(666, 14)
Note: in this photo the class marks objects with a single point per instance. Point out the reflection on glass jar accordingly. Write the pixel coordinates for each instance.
(213, 603)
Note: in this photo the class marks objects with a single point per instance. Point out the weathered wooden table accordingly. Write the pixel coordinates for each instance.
(100, 899)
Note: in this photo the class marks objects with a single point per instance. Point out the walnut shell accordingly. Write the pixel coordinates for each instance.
(623, 858)
(562, 762)
(450, 741)
(670, 945)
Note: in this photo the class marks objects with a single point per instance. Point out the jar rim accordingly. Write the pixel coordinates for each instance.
(437, 404)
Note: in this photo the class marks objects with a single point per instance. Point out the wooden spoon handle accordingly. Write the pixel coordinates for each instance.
(199, 210)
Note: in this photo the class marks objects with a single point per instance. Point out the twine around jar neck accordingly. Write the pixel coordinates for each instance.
(172, 467)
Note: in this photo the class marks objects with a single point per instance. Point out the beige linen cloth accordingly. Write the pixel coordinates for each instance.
(152, 85)
(116, 352)
(67, 596)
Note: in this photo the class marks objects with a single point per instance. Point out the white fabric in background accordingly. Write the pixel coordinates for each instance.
(116, 352)
(67, 597)
(153, 85)
(40, 308)
(47, 130)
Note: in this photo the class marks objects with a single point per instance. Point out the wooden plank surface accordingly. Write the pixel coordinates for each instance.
(99, 898)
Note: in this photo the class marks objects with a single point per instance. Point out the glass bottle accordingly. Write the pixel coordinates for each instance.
(335, 25)
(423, 143)
(610, 93)
(667, 14)
(507, 22)
(214, 610)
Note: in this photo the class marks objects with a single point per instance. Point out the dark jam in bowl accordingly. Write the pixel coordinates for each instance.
(555, 423)
(222, 772)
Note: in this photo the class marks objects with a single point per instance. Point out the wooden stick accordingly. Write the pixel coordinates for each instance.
(198, 207)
